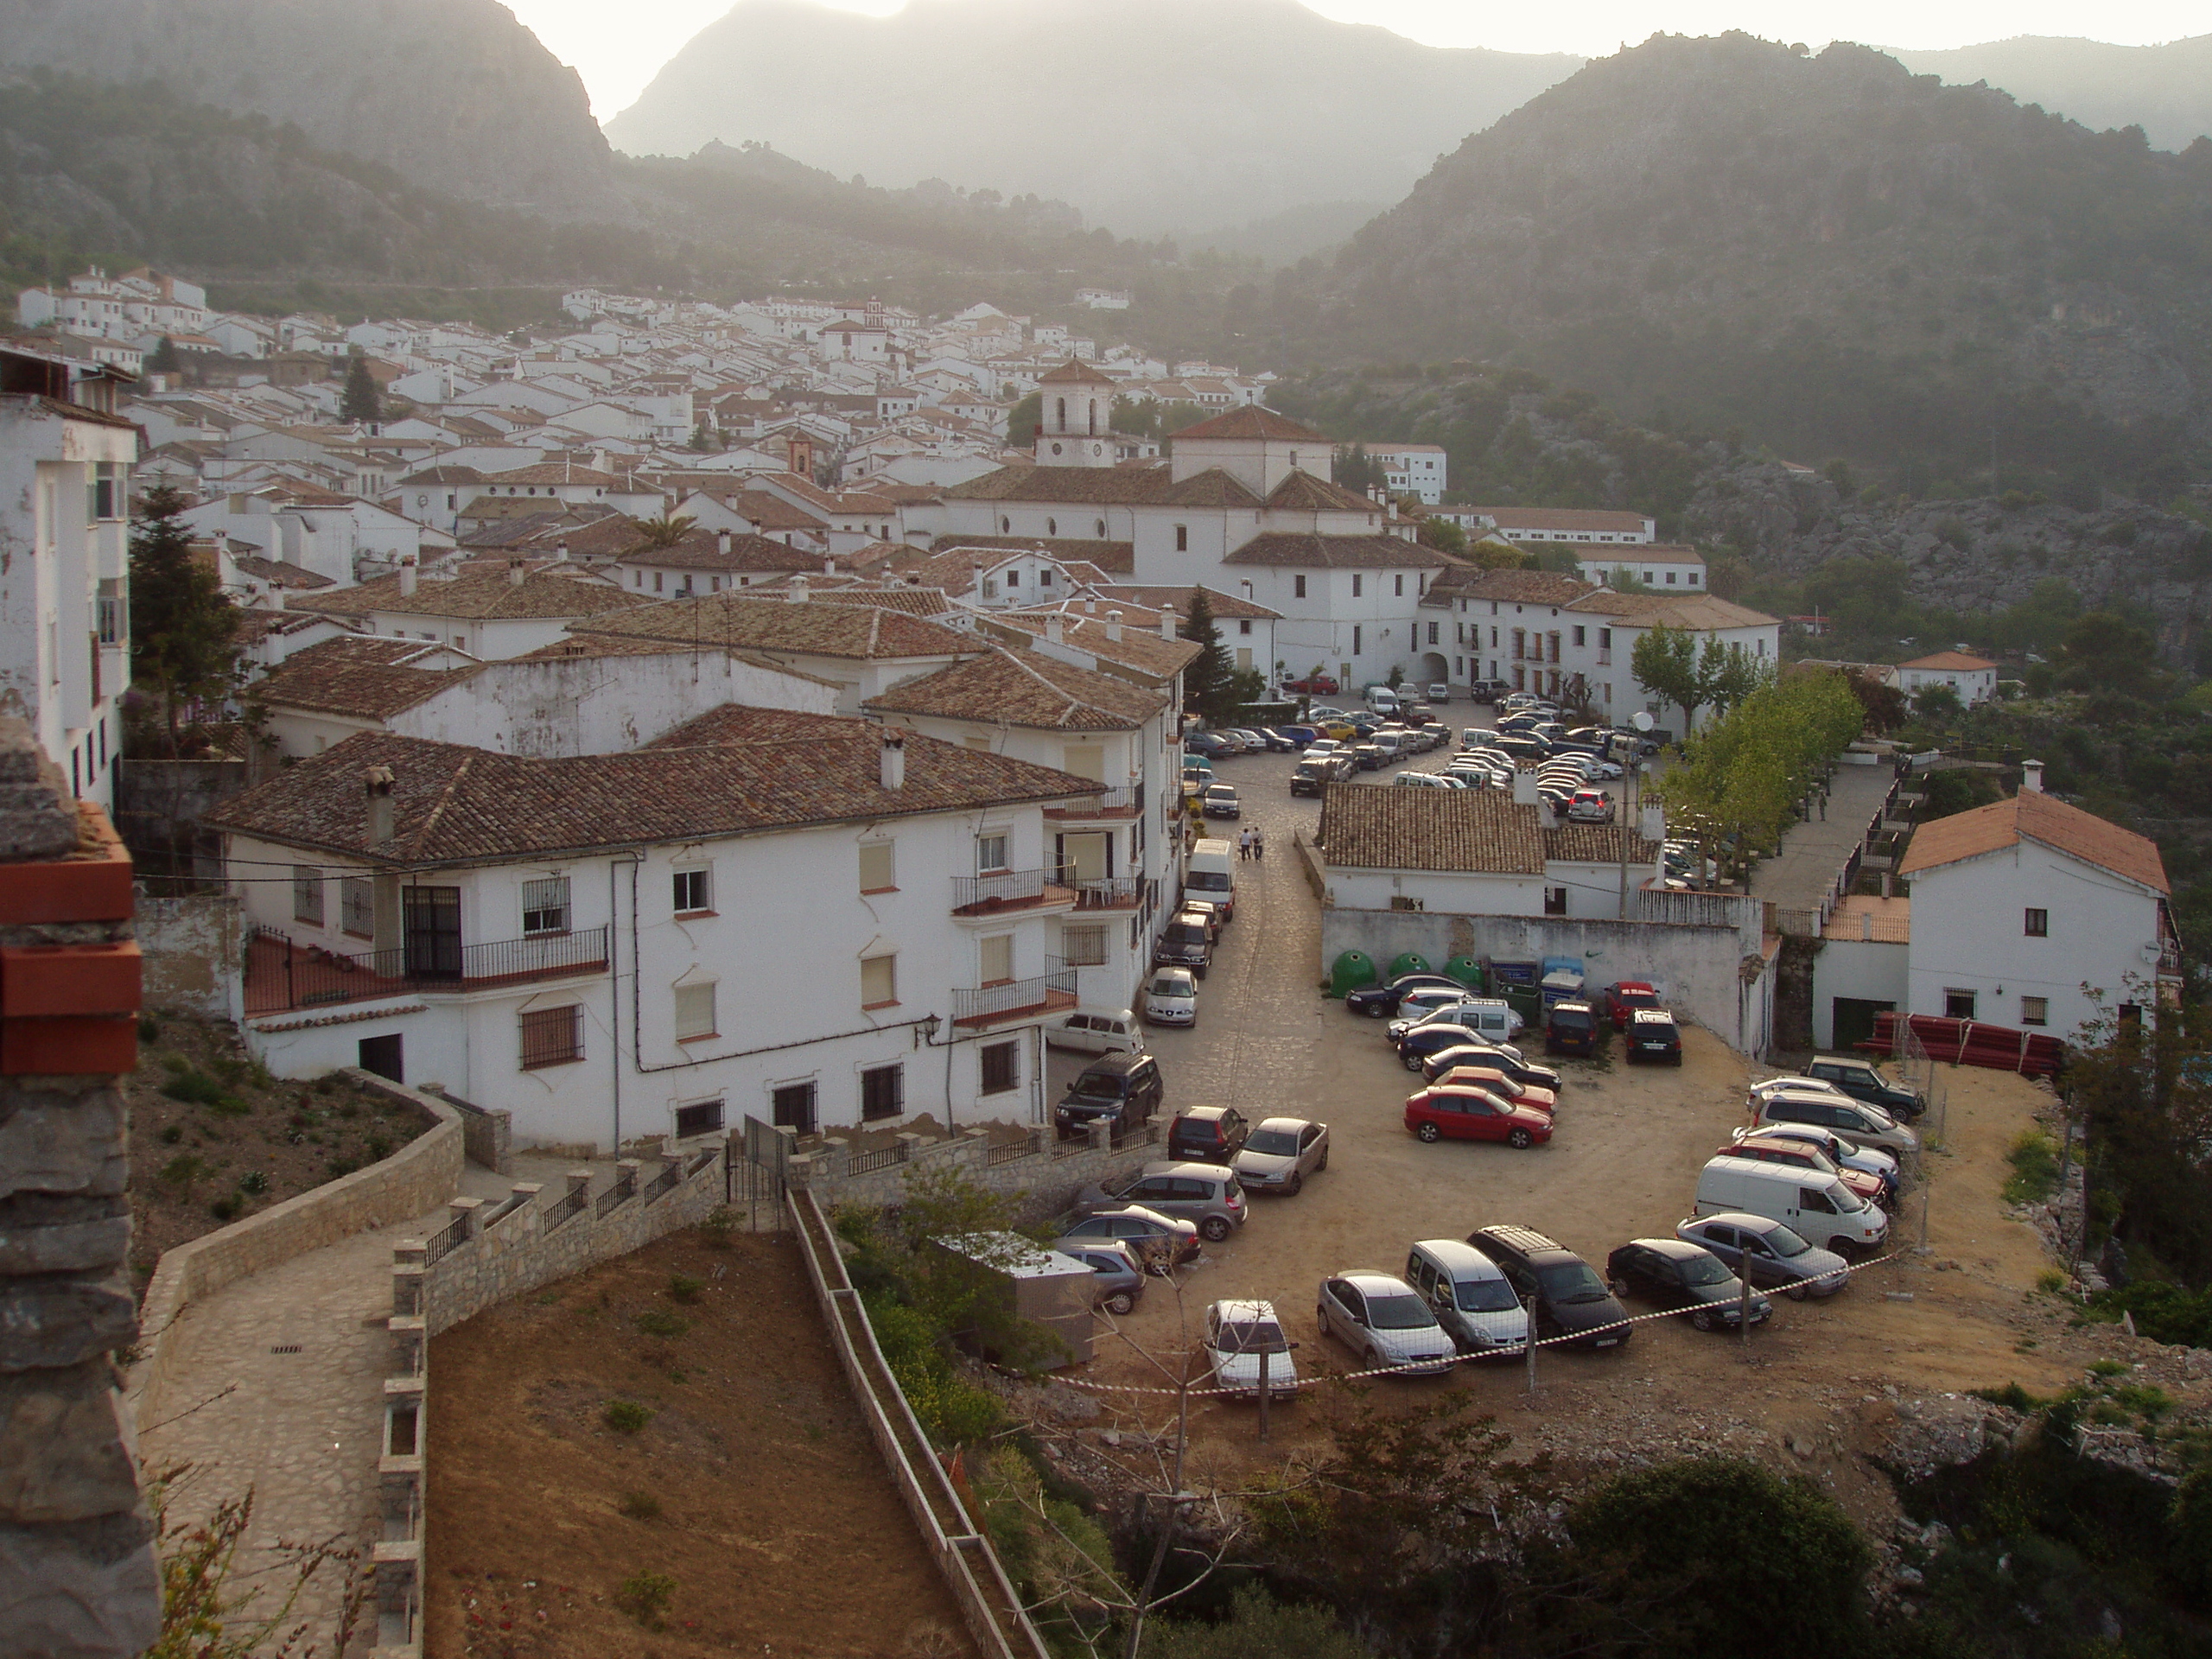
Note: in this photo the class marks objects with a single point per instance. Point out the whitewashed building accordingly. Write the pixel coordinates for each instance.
(1975, 678)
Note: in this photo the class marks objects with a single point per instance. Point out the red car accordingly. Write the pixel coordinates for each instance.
(1625, 998)
(1320, 685)
(1464, 1114)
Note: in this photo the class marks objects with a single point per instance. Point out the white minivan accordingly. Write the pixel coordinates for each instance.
(1381, 699)
(1210, 874)
(1818, 1207)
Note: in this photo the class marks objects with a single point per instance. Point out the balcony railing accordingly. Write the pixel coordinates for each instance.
(984, 895)
(1017, 999)
(1125, 802)
(1105, 893)
(281, 976)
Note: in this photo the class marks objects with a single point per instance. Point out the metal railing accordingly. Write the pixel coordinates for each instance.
(670, 1173)
(861, 1163)
(1002, 889)
(569, 1206)
(445, 1240)
(624, 1189)
(1104, 892)
(1120, 802)
(1015, 996)
(281, 975)
(1009, 1151)
(1144, 1135)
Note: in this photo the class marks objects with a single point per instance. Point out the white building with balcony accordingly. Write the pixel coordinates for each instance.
(798, 918)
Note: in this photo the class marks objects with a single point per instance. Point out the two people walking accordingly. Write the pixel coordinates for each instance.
(1251, 844)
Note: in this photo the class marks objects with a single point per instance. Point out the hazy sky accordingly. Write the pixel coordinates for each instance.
(618, 45)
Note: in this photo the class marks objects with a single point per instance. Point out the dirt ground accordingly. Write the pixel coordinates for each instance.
(241, 1139)
(754, 1486)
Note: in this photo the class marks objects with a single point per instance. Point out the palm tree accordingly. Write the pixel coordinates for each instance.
(664, 531)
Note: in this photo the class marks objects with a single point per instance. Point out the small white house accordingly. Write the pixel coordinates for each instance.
(1975, 678)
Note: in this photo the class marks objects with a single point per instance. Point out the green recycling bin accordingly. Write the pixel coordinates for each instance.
(1410, 961)
(1351, 970)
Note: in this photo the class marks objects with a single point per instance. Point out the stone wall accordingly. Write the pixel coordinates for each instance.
(1043, 1172)
(489, 1135)
(420, 1176)
(529, 1239)
(191, 946)
(77, 1570)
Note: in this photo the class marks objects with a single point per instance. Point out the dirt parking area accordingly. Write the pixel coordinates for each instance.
(742, 1510)
(1623, 1163)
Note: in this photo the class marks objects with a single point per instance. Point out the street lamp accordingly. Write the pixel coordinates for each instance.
(928, 1025)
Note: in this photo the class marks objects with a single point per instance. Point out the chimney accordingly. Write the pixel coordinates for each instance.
(1524, 787)
(377, 780)
(561, 552)
(797, 594)
(722, 542)
(1866, 923)
(1651, 822)
(1055, 629)
(829, 564)
(407, 578)
(2032, 777)
(276, 597)
(1114, 627)
(517, 571)
(894, 760)
(1167, 623)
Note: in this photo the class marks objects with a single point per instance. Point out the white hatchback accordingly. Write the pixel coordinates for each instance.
(1241, 1336)
(1097, 1033)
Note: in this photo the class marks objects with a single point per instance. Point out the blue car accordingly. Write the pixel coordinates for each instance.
(1299, 735)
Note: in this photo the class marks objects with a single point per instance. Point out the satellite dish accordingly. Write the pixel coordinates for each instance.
(1641, 720)
(2151, 950)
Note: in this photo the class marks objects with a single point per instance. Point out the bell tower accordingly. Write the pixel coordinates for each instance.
(1073, 428)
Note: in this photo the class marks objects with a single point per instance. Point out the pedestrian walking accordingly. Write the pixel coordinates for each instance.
(1243, 845)
(1259, 845)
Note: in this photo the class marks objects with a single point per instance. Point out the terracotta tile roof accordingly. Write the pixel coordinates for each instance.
(750, 623)
(732, 771)
(556, 473)
(1107, 556)
(485, 595)
(1701, 612)
(1296, 549)
(1074, 372)
(1598, 843)
(1253, 421)
(1949, 659)
(1022, 688)
(1140, 651)
(702, 550)
(1156, 598)
(364, 677)
(1474, 831)
(1303, 493)
(280, 573)
(1516, 586)
(443, 475)
(909, 602)
(1149, 484)
(2033, 816)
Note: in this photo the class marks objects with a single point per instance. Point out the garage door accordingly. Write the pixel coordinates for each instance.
(1854, 1020)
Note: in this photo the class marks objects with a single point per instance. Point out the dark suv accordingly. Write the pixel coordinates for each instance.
(1123, 1089)
(1563, 1294)
(1207, 1135)
(1185, 942)
(1571, 1028)
(1862, 1080)
(1652, 1035)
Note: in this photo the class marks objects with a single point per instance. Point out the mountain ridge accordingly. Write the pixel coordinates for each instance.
(2165, 89)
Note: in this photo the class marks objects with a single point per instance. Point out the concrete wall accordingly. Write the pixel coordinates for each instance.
(1700, 969)
(1871, 970)
(1045, 1181)
(191, 947)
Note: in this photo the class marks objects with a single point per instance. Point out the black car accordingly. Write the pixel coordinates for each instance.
(1277, 742)
(1653, 1035)
(1563, 1294)
(1314, 775)
(1477, 1053)
(1125, 1089)
(1420, 1042)
(1862, 1080)
(1369, 756)
(1673, 1272)
(1207, 1135)
(1379, 1001)
(1185, 942)
(1571, 1028)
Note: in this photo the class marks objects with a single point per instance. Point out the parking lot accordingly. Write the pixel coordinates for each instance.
(1623, 1163)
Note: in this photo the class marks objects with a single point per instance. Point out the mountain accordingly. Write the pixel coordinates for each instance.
(453, 95)
(1826, 252)
(2166, 90)
(1151, 116)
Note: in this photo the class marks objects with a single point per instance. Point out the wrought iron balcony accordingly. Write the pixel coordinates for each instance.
(1005, 890)
(1124, 802)
(281, 976)
(1017, 999)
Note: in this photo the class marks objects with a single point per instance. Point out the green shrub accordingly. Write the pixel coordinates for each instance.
(2034, 1158)
(2163, 1312)
(226, 1208)
(1258, 1627)
(2189, 1559)
(715, 1230)
(193, 1087)
(660, 1322)
(183, 1169)
(625, 1416)
(172, 1133)
(644, 1597)
(641, 1506)
(2051, 1281)
(150, 1029)
(254, 1182)
(683, 1287)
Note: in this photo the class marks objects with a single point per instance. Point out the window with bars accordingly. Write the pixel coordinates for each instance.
(2035, 1010)
(701, 1117)
(693, 891)
(1002, 1068)
(552, 1036)
(1084, 946)
(695, 1012)
(545, 905)
(307, 894)
(357, 906)
(878, 982)
(883, 1092)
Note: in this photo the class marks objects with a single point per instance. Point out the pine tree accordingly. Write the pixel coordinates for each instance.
(701, 439)
(1214, 688)
(165, 358)
(361, 402)
(184, 629)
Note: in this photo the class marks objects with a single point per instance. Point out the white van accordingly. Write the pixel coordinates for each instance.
(1381, 699)
(1487, 1016)
(1819, 1208)
(1107, 1031)
(1211, 874)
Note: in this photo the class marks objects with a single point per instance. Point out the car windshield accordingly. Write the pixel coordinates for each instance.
(1485, 1296)
(1571, 1019)
(1251, 1337)
(1572, 1281)
(1168, 985)
(1405, 1312)
(1786, 1242)
(1208, 880)
(1282, 1142)
(1090, 1087)
(1703, 1269)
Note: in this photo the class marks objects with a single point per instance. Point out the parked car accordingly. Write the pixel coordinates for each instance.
(1424, 780)
(1220, 802)
(1207, 1135)
(1429, 1037)
(1278, 740)
(1313, 685)
(1380, 1001)
(1096, 1033)
(1473, 1299)
(1205, 1193)
(1590, 806)
(1653, 1036)
(1487, 1014)
(1255, 742)
(1505, 1057)
(1460, 1112)
(1185, 942)
(1625, 997)
(1237, 1334)
(1674, 1273)
(1491, 1080)
(1316, 773)
(1207, 746)
(1816, 1206)
(1117, 1280)
(1854, 1120)
(1279, 1153)
(1863, 1080)
(1777, 1258)
(1369, 756)
(1563, 1294)
(1158, 1242)
(1124, 1089)
(1338, 729)
(1171, 997)
(1439, 691)
(1486, 690)
(1802, 1155)
(1571, 1028)
(1298, 736)
(1384, 1321)
(1844, 1154)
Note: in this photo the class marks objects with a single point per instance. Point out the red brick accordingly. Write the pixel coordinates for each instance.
(68, 980)
(93, 886)
(83, 1046)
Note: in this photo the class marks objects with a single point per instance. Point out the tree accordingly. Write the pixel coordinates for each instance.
(184, 629)
(1728, 674)
(1938, 704)
(165, 358)
(1023, 420)
(1444, 536)
(664, 531)
(1357, 471)
(1138, 416)
(1214, 688)
(702, 439)
(361, 402)
(1664, 663)
(1884, 703)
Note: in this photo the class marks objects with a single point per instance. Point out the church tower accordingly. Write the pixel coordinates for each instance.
(1072, 428)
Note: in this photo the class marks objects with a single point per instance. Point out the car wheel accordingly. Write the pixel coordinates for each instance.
(1702, 1318)
(1619, 1287)
(1121, 1302)
(1846, 1247)
(1213, 1229)
(1371, 1361)
(1412, 1062)
(1520, 1140)
(1429, 1133)
(1797, 1292)
(1375, 1010)
(1293, 1186)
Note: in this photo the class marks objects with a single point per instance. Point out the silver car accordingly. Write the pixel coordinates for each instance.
(1236, 1334)
(1116, 1281)
(1385, 1322)
(1279, 1153)
(1160, 1243)
(1768, 1253)
(1205, 1193)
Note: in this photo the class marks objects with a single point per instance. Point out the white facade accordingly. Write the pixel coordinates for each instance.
(1973, 678)
(1679, 569)
(1414, 469)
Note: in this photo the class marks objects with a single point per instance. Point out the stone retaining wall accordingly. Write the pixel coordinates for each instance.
(1045, 1182)
(419, 1176)
(489, 1135)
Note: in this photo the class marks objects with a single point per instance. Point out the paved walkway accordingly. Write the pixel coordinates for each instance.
(1813, 855)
